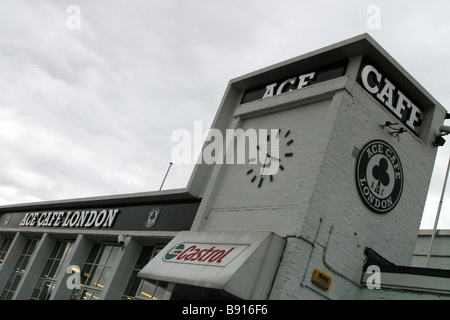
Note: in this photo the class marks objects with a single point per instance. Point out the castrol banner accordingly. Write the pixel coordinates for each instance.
(218, 255)
(240, 262)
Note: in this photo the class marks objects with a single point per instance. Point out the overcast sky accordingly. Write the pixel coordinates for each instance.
(91, 91)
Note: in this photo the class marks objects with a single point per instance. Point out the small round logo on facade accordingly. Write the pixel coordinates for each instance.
(153, 216)
(174, 252)
(379, 176)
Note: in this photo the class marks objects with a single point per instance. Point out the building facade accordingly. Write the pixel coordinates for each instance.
(439, 249)
(89, 249)
(338, 150)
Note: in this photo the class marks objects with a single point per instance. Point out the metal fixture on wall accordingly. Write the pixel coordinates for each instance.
(388, 124)
(443, 131)
(395, 131)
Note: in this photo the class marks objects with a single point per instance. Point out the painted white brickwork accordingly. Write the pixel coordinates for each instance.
(318, 189)
(314, 202)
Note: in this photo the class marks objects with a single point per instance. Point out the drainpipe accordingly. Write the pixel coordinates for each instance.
(437, 216)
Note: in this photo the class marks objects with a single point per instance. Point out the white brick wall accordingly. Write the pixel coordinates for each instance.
(315, 202)
(336, 200)
(281, 205)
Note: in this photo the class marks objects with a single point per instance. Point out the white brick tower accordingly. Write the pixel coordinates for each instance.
(356, 155)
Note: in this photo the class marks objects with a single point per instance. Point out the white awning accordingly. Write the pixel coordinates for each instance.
(241, 263)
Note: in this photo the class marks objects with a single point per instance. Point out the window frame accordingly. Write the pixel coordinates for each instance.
(19, 269)
(165, 288)
(95, 266)
(55, 259)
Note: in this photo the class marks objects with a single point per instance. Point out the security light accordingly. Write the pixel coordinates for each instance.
(439, 141)
(443, 131)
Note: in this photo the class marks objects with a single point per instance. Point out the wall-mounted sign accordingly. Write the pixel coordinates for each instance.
(239, 262)
(321, 279)
(163, 217)
(401, 106)
(71, 219)
(217, 255)
(379, 176)
(296, 81)
(153, 216)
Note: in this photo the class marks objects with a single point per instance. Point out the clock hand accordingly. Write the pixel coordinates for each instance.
(264, 165)
(272, 157)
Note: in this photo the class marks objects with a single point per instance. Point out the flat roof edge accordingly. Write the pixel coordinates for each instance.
(304, 56)
(170, 195)
(360, 44)
(439, 232)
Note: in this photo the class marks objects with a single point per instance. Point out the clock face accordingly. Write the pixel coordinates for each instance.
(271, 165)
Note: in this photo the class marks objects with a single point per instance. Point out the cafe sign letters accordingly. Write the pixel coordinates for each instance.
(393, 99)
(71, 219)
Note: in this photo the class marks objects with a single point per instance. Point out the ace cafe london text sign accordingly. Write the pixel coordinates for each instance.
(379, 176)
(71, 219)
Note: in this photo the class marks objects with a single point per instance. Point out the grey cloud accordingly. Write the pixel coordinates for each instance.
(89, 112)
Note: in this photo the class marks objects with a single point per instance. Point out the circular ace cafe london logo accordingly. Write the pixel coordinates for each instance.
(379, 176)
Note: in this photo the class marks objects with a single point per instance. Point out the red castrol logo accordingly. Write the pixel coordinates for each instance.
(218, 255)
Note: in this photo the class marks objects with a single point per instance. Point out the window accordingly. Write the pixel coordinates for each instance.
(52, 269)
(140, 289)
(4, 248)
(96, 271)
(19, 269)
